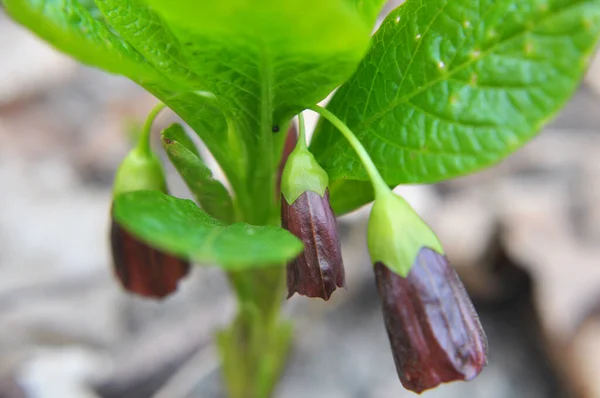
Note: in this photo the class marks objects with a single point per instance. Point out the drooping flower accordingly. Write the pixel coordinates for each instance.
(306, 212)
(140, 268)
(434, 331)
(319, 269)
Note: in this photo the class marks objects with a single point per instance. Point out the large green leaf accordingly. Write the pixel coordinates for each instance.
(452, 86)
(180, 227)
(267, 58)
(146, 32)
(264, 61)
(75, 28)
(209, 193)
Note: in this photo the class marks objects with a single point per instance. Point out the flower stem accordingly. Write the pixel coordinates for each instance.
(302, 130)
(380, 187)
(143, 145)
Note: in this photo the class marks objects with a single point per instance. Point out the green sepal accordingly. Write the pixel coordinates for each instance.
(302, 173)
(396, 234)
(139, 171)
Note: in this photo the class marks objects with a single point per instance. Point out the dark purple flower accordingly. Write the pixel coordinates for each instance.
(433, 328)
(319, 270)
(142, 269)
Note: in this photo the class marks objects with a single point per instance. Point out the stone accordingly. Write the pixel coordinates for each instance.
(60, 372)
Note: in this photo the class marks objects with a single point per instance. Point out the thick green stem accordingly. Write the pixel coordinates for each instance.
(254, 348)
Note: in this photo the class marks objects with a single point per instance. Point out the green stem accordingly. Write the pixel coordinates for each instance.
(302, 128)
(143, 145)
(379, 185)
(254, 347)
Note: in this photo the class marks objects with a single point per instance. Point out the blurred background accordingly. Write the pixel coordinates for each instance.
(524, 236)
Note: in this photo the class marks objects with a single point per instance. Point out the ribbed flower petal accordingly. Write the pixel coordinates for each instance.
(142, 269)
(319, 270)
(434, 331)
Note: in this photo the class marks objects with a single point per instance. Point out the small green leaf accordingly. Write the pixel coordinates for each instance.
(73, 28)
(210, 193)
(180, 227)
(450, 87)
(176, 132)
(348, 195)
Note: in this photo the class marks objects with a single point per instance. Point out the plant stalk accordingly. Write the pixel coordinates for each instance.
(144, 140)
(254, 347)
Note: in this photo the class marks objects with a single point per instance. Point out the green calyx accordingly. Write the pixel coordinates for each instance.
(396, 234)
(139, 171)
(302, 173)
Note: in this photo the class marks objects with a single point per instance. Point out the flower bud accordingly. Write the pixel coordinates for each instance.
(319, 269)
(433, 328)
(306, 212)
(140, 268)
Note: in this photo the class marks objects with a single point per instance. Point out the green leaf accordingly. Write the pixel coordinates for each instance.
(348, 195)
(260, 53)
(209, 193)
(202, 113)
(264, 61)
(146, 32)
(180, 227)
(369, 9)
(72, 27)
(450, 87)
(176, 132)
(92, 9)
